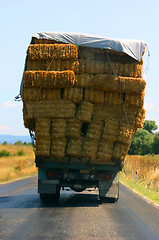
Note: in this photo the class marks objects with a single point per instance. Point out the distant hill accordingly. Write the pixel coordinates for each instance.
(11, 139)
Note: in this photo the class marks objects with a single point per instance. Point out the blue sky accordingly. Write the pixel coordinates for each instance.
(19, 20)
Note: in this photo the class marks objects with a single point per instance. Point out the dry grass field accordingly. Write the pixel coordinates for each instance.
(16, 161)
(147, 168)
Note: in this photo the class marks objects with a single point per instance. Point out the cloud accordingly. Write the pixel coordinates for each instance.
(11, 104)
(4, 128)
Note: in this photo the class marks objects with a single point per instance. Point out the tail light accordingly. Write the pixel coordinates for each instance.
(52, 175)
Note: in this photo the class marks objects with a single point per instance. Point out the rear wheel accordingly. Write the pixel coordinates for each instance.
(49, 198)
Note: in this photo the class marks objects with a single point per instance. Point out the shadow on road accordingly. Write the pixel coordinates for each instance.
(66, 200)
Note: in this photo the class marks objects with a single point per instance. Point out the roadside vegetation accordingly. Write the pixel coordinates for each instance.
(141, 173)
(16, 161)
(143, 159)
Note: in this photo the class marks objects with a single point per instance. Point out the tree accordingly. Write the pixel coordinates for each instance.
(142, 143)
(19, 142)
(155, 146)
(150, 126)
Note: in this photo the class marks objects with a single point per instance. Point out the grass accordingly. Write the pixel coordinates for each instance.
(17, 161)
(147, 168)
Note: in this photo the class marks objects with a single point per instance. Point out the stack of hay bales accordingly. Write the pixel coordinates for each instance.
(82, 107)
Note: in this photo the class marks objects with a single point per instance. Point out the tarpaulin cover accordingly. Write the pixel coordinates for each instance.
(133, 48)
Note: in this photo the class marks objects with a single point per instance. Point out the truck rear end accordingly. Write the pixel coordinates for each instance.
(83, 101)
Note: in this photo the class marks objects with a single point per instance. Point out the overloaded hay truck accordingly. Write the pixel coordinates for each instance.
(83, 100)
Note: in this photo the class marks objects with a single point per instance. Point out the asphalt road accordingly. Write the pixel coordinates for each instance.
(77, 216)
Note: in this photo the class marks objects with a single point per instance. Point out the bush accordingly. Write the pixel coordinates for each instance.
(20, 153)
(4, 153)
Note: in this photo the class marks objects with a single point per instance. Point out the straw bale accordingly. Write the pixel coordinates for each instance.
(61, 65)
(90, 147)
(135, 116)
(73, 94)
(42, 146)
(33, 65)
(84, 80)
(110, 131)
(58, 146)
(43, 41)
(124, 84)
(134, 99)
(49, 79)
(94, 96)
(49, 109)
(120, 151)
(95, 129)
(86, 53)
(42, 127)
(125, 134)
(101, 67)
(58, 128)
(104, 111)
(105, 150)
(45, 51)
(73, 128)
(85, 111)
(55, 65)
(74, 147)
(45, 93)
(112, 98)
(90, 66)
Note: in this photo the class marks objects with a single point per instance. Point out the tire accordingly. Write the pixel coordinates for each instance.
(48, 198)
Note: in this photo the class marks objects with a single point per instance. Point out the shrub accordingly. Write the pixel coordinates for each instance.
(20, 153)
(4, 153)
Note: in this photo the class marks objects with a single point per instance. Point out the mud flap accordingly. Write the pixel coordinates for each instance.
(48, 186)
(109, 189)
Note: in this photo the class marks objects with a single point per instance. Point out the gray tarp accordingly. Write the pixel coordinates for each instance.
(133, 48)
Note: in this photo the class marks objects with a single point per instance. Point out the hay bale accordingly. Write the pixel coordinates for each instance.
(90, 147)
(101, 67)
(73, 128)
(84, 80)
(123, 84)
(49, 109)
(35, 65)
(103, 112)
(85, 111)
(58, 146)
(125, 134)
(58, 128)
(95, 129)
(74, 147)
(93, 96)
(73, 94)
(120, 151)
(55, 65)
(46, 51)
(105, 151)
(134, 99)
(42, 127)
(49, 79)
(32, 94)
(42, 146)
(112, 98)
(91, 66)
(111, 129)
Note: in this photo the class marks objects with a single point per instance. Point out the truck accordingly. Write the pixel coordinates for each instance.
(83, 99)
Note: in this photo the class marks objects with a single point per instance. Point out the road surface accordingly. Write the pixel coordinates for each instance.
(77, 216)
